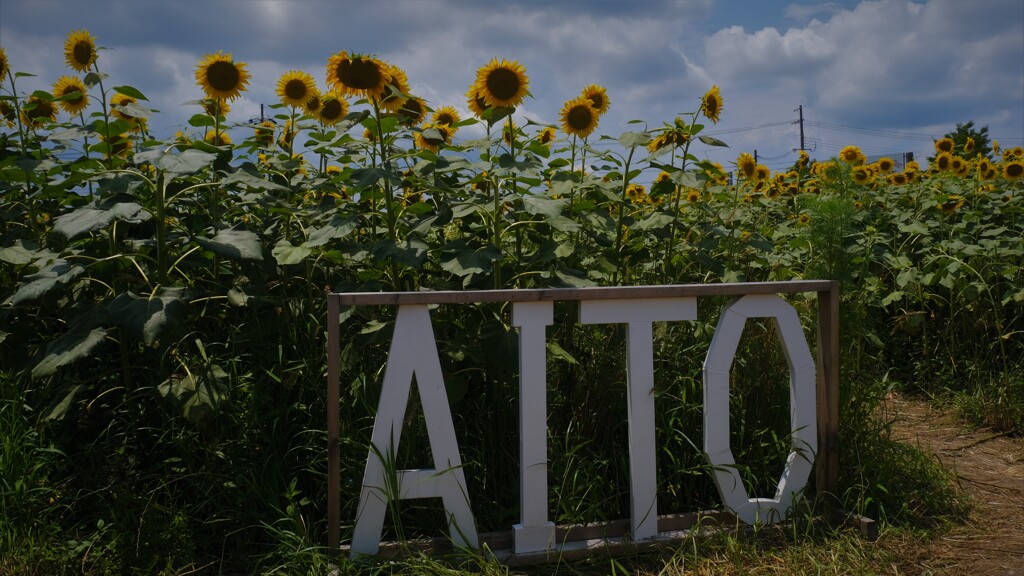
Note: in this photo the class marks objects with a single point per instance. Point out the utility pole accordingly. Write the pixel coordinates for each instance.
(755, 156)
(800, 109)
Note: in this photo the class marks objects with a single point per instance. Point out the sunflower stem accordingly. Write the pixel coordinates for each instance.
(389, 204)
(109, 157)
(619, 232)
(669, 270)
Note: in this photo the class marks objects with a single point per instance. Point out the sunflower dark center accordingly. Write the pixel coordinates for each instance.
(82, 53)
(412, 108)
(580, 117)
(331, 110)
(1015, 170)
(711, 104)
(597, 100)
(445, 118)
(43, 109)
(223, 76)
(77, 98)
(359, 74)
(503, 83)
(295, 89)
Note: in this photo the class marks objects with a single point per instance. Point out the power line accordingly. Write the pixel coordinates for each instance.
(871, 131)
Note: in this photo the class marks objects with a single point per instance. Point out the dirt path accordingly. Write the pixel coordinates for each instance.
(990, 467)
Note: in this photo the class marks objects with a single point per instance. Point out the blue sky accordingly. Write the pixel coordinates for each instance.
(886, 75)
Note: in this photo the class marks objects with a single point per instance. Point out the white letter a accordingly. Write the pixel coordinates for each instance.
(413, 353)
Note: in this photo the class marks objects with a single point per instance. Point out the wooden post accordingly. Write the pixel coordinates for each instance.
(333, 443)
(827, 474)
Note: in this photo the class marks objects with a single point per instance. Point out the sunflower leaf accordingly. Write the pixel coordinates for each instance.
(73, 345)
(712, 141)
(634, 139)
(147, 318)
(466, 262)
(129, 91)
(286, 253)
(234, 244)
(96, 216)
(37, 285)
(201, 120)
(188, 162)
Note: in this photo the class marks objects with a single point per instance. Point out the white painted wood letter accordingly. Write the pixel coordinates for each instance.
(535, 533)
(413, 353)
(639, 316)
(802, 407)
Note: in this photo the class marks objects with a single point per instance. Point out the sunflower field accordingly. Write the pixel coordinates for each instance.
(162, 310)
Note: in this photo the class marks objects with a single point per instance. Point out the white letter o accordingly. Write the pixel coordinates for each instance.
(803, 423)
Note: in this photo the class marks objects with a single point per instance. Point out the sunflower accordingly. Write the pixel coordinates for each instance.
(636, 193)
(220, 138)
(214, 106)
(119, 100)
(805, 159)
(287, 135)
(886, 164)
(80, 50)
(711, 104)
(264, 133)
(7, 113)
(1013, 170)
(669, 137)
(959, 166)
(897, 179)
(762, 172)
(852, 155)
(579, 118)
(332, 109)
(221, 77)
(357, 75)
(985, 169)
(429, 141)
(121, 146)
(598, 97)
(446, 115)
(36, 111)
(412, 111)
(4, 66)
(502, 83)
(944, 161)
(313, 105)
(952, 204)
(944, 145)
(294, 88)
(397, 90)
(693, 196)
(861, 174)
(546, 136)
(969, 145)
(476, 104)
(746, 166)
(804, 219)
(369, 135)
(74, 88)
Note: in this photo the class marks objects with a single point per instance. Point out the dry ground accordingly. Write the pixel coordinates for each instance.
(990, 468)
